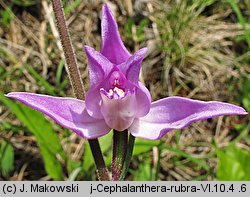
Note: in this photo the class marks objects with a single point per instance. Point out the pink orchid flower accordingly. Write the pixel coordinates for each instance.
(117, 100)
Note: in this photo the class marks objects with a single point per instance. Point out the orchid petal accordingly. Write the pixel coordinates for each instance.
(131, 68)
(177, 113)
(112, 45)
(143, 98)
(93, 103)
(68, 112)
(99, 66)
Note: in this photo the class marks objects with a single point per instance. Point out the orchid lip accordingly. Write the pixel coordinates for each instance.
(118, 112)
(116, 93)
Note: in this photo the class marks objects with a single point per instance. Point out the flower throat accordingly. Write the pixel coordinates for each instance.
(117, 84)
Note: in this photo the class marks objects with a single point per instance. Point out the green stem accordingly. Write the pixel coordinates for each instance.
(76, 81)
(102, 171)
(130, 149)
(71, 67)
(120, 141)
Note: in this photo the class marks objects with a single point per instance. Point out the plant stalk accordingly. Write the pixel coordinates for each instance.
(120, 142)
(129, 154)
(76, 81)
(72, 67)
(102, 171)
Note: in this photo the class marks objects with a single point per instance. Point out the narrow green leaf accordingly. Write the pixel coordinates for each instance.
(74, 174)
(179, 152)
(233, 164)
(25, 3)
(59, 71)
(88, 160)
(6, 158)
(72, 6)
(49, 88)
(241, 19)
(142, 146)
(144, 172)
(52, 165)
(6, 17)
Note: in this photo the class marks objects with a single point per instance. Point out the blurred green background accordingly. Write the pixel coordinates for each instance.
(197, 49)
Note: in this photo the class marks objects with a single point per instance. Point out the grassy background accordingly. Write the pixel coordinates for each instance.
(197, 49)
